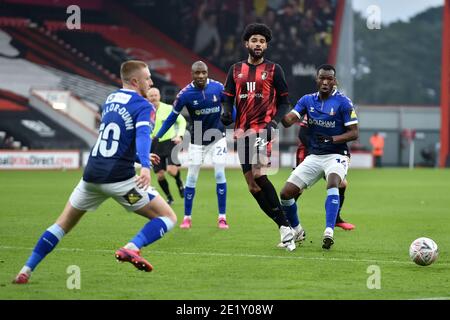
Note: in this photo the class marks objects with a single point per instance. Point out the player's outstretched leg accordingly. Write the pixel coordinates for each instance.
(163, 219)
(48, 241)
(266, 196)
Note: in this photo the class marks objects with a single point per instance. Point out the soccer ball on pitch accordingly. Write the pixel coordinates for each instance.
(423, 251)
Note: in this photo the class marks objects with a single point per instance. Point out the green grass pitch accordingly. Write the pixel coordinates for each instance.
(390, 208)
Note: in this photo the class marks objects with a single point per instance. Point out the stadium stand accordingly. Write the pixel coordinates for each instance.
(33, 130)
(302, 29)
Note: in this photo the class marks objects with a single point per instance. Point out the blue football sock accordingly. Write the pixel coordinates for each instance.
(152, 231)
(332, 207)
(46, 243)
(221, 190)
(189, 194)
(290, 209)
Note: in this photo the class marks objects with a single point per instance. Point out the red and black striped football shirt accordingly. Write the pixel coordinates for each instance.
(257, 90)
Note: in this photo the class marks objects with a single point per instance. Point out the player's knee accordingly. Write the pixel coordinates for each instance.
(289, 192)
(254, 188)
(191, 181)
(160, 174)
(172, 170)
(192, 176)
(220, 175)
(172, 216)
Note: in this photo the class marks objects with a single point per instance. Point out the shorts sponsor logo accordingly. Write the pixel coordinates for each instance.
(132, 196)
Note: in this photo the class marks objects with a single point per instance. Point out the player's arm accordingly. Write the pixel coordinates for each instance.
(229, 93)
(143, 145)
(351, 134)
(281, 88)
(296, 113)
(178, 105)
(181, 129)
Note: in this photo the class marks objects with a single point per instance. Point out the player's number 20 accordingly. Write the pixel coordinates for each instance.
(102, 142)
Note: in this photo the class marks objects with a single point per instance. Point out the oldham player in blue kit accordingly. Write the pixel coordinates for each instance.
(332, 122)
(202, 98)
(124, 132)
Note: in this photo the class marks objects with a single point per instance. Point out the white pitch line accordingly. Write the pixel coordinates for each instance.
(209, 254)
(432, 298)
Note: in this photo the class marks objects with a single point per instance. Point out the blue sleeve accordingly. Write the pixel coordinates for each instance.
(143, 141)
(179, 102)
(167, 124)
(143, 145)
(348, 112)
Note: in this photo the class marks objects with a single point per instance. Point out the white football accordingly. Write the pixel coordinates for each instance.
(423, 251)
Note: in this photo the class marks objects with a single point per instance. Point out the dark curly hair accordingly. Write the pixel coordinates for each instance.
(257, 28)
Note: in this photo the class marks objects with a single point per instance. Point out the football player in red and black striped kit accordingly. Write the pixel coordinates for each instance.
(258, 89)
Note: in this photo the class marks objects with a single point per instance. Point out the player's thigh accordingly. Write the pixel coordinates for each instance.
(87, 196)
(307, 173)
(172, 169)
(195, 154)
(336, 163)
(128, 194)
(157, 207)
(69, 217)
(171, 154)
(219, 152)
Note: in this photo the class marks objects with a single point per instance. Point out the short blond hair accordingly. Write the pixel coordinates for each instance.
(128, 68)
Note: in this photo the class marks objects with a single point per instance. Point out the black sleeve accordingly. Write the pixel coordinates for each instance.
(280, 85)
(303, 135)
(229, 91)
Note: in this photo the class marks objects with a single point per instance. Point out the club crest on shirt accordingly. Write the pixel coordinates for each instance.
(311, 109)
(332, 113)
(240, 75)
(214, 98)
(264, 75)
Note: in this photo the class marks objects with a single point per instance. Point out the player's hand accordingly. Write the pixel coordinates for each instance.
(323, 138)
(155, 159)
(144, 179)
(177, 140)
(271, 127)
(226, 118)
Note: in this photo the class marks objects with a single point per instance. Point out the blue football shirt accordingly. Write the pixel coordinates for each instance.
(112, 157)
(204, 106)
(329, 117)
